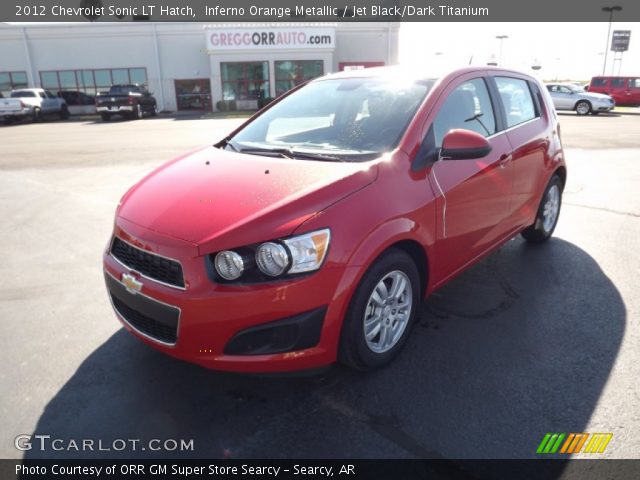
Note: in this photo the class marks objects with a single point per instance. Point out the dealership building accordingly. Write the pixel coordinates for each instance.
(187, 66)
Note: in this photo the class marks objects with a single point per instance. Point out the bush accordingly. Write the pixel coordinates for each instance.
(226, 106)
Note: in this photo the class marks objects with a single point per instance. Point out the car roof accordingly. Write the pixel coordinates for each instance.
(410, 73)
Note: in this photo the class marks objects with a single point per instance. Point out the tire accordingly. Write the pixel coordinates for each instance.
(390, 269)
(154, 110)
(105, 117)
(64, 112)
(35, 115)
(583, 107)
(138, 113)
(543, 226)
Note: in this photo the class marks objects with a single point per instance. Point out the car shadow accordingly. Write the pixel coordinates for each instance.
(520, 345)
(565, 113)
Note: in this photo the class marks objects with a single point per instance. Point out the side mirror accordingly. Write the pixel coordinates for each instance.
(460, 144)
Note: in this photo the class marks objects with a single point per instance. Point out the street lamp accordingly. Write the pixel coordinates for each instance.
(501, 38)
(615, 8)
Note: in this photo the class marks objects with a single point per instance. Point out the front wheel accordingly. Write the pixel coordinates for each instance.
(381, 313)
(35, 114)
(548, 213)
(583, 107)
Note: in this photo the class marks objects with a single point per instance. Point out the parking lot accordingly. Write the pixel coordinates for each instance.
(532, 340)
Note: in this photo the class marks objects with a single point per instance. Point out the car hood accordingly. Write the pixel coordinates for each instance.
(220, 199)
(595, 96)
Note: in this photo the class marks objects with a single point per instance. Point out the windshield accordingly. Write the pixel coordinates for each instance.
(350, 119)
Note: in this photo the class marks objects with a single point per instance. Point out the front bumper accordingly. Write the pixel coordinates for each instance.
(228, 327)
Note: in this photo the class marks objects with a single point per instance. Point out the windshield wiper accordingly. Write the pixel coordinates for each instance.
(286, 152)
(476, 117)
(281, 152)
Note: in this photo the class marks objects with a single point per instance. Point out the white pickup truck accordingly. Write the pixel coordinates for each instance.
(32, 103)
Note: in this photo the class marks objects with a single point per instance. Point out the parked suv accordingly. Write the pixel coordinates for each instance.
(313, 231)
(624, 90)
(32, 103)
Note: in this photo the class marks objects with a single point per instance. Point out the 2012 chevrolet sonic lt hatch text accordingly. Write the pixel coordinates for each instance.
(313, 231)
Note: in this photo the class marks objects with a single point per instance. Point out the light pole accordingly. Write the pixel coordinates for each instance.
(501, 38)
(615, 8)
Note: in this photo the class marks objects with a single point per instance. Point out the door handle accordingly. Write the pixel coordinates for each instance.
(504, 159)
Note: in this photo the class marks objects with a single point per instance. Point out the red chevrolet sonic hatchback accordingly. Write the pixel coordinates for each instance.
(313, 231)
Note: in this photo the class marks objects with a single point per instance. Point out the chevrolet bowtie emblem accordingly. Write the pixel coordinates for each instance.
(131, 283)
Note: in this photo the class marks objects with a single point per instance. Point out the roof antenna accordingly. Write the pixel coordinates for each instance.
(471, 60)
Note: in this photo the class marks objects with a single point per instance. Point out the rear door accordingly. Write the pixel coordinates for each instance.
(633, 91)
(527, 122)
(474, 201)
(618, 90)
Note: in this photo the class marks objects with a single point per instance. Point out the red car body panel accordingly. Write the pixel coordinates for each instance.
(452, 212)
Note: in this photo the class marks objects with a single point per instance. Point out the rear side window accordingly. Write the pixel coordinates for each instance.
(617, 82)
(598, 82)
(517, 100)
(634, 83)
(469, 107)
(22, 93)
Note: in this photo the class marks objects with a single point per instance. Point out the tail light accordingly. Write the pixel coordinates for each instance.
(22, 104)
(131, 101)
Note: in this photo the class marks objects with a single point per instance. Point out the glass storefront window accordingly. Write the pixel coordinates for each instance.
(12, 81)
(120, 76)
(193, 94)
(68, 80)
(245, 80)
(79, 87)
(138, 75)
(294, 72)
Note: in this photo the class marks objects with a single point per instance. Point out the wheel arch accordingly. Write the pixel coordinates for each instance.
(561, 171)
(575, 106)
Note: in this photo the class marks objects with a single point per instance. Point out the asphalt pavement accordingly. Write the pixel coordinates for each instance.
(531, 340)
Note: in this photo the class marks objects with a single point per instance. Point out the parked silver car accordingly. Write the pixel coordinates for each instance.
(571, 97)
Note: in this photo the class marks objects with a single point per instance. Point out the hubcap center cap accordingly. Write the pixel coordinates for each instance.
(386, 312)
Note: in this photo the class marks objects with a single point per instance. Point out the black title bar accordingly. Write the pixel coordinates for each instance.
(316, 469)
(213, 11)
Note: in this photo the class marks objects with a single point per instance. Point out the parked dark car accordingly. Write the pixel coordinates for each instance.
(74, 98)
(131, 101)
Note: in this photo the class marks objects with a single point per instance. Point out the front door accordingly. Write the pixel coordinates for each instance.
(474, 195)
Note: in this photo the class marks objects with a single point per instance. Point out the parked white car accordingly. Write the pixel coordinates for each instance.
(32, 103)
(570, 97)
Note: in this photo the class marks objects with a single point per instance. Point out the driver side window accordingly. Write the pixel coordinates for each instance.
(468, 107)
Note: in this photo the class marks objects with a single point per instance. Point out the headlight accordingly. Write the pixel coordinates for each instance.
(229, 265)
(272, 259)
(308, 250)
(300, 254)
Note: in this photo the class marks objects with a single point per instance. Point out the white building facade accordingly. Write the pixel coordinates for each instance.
(188, 66)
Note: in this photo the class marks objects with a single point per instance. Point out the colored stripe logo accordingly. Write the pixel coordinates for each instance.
(574, 443)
